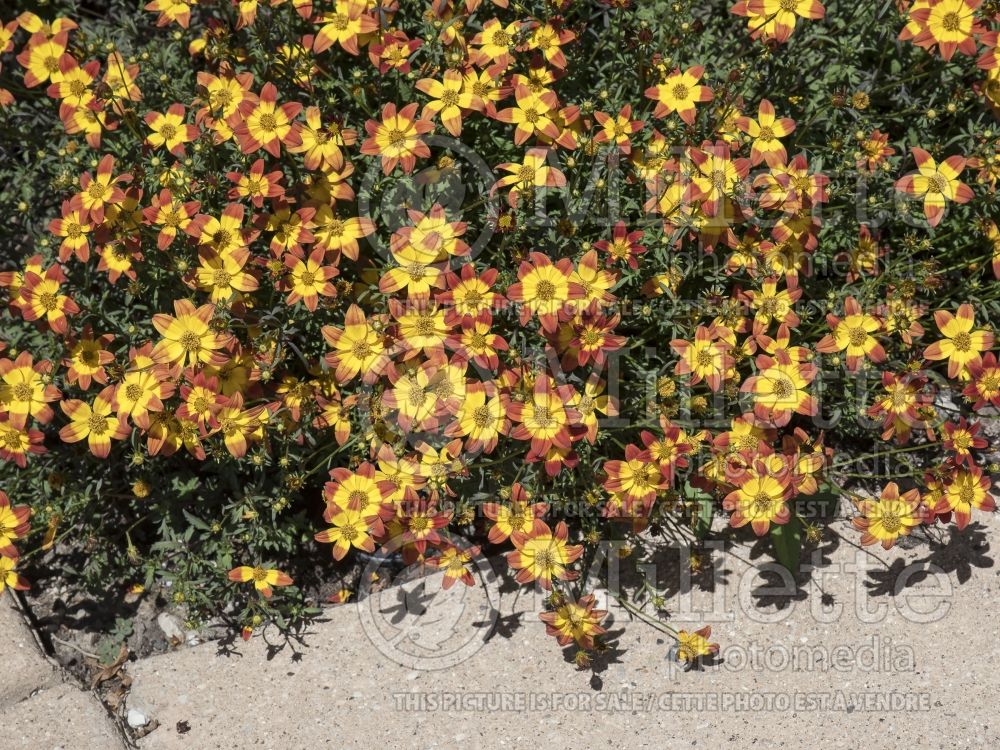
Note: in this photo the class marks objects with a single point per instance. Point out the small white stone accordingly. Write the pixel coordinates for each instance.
(170, 626)
(136, 718)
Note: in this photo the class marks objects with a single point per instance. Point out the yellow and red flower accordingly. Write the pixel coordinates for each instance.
(393, 52)
(760, 498)
(9, 578)
(40, 58)
(533, 114)
(262, 578)
(532, 173)
(623, 245)
(99, 190)
(470, 294)
(575, 622)
(188, 336)
(708, 358)
(543, 555)
(223, 275)
(95, 423)
(852, 334)
(494, 46)
(74, 228)
(966, 489)
(961, 438)
(453, 561)
(680, 92)
(692, 646)
(961, 346)
(984, 387)
(520, 515)
(17, 442)
(775, 19)
(142, 390)
(264, 124)
(171, 11)
(780, 389)
(169, 130)
(451, 97)
(891, 516)
(419, 521)
(358, 347)
(171, 214)
(359, 490)
(308, 279)
(481, 419)
(766, 133)
(323, 146)
(635, 481)
(349, 530)
(256, 185)
(42, 300)
(397, 138)
(936, 184)
(951, 25)
(544, 418)
(14, 524)
(87, 359)
(544, 288)
(26, 390)
(346, 24)
(874, 150)
(239, 426)
(901, 406)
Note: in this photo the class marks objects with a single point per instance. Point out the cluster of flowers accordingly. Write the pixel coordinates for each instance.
(419, 341)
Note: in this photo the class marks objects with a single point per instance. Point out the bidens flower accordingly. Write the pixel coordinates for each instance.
(188, 338)
(853, 334)
(693, 646)
(936, 184)
(97, 424)
(544, 288)
(679, 93)
(950, 24)
(263, 578)
(575, 621)
(9, 579)
(890, 517)
(542, 555)
(759, 500)
(13, 524)
(962, 346)
(397, 138)
(775, 19)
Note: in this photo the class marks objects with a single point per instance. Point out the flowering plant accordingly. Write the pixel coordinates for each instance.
(288, 280)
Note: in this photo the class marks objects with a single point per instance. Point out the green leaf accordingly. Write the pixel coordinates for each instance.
(196, 522)
(787, 540)
(704, 510)
(821, 505)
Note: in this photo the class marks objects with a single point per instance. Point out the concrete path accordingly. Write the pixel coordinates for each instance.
(885, 648)
(38, 711)
(888, 649)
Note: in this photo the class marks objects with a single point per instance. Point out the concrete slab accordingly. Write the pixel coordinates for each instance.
(60, 718)
(892, 649)
(23, 669)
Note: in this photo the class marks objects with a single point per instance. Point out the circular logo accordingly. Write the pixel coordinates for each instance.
(458, 180)
(419, 624)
